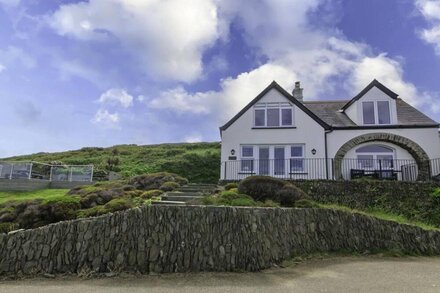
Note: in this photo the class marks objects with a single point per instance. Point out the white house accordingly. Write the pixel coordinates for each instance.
(374, 134)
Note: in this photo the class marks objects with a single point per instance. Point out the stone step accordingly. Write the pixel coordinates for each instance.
(167, 202)
(184, 193)
(180, 198)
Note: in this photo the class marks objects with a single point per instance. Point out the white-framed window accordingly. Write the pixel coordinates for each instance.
(247, 159)
(376, 112)
(297, 158)
(273, 115)
(375, 156)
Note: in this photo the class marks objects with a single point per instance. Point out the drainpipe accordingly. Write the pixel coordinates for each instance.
(326, 151)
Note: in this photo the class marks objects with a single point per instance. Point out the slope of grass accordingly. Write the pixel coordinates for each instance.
(45, 194)
(199, 162)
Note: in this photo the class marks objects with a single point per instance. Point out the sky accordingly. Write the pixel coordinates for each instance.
(75, 74)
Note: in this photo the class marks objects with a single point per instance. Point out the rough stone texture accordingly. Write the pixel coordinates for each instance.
(413, 148)
(193, 238)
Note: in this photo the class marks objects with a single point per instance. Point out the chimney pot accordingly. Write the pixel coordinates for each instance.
(297, 92)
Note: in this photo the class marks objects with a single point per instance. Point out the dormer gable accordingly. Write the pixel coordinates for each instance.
(374, 105)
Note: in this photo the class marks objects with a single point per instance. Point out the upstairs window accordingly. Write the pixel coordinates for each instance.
(377, 112)
(273, 115)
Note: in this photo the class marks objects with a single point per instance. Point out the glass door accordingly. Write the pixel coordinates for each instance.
(263, 161)
(279, 161)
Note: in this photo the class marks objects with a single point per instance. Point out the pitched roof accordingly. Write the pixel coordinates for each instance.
(275, 85)
(374, 83)
(329, 111)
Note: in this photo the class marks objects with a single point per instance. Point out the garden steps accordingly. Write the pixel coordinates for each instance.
(168, 202)
(184, 198)
(186, 194)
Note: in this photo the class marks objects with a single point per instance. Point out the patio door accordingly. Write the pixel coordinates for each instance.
(263, 160)
(279, 161)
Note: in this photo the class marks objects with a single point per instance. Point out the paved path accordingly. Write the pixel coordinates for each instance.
(343, 274)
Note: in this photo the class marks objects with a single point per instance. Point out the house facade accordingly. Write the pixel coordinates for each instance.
(374, 134)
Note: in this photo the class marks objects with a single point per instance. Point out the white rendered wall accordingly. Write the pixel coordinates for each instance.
(307, 132)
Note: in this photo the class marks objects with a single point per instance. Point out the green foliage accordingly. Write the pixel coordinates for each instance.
(152, 193)
(231, 186)
(118, 204)
(231, 198)
(289, 194)
(156, 180)
(306, 203)
(261, 188)
(169, 186)
(6, 196)
(7, 227)
(199, 162)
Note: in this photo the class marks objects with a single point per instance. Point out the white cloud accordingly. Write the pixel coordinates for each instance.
(167, 37)
(11, 56)
(2, 68)
(106, 119)
(195, 137)
(430, 9)
(9, 3)
(117, 96)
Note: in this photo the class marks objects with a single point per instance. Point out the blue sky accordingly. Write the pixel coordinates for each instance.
(106, 72)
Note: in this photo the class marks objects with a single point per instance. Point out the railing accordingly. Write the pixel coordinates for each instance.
(42, 171)
(330, 169)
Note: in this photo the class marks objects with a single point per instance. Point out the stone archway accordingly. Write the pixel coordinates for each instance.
(415, 150)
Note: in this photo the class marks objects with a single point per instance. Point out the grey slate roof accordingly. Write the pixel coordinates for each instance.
(329, 112)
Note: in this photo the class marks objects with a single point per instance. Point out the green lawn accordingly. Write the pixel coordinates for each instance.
(46, 194)
(381, 215)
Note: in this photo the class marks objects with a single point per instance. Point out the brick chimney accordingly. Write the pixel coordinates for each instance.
(297, 92)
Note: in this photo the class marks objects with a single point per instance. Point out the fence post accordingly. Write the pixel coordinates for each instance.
(50, 174)
(12, 169)
(70, 177)
(30, 172)
(380, 169)
(91, 176)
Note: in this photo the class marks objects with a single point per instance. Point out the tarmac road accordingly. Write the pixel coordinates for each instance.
(334, 274)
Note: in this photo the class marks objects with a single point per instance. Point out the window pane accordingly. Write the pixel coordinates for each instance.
(286, 117)
(386, 161)
(374, 149)
(247, 165)
(279, 161)
(273, 117)
(247, 151)
(296, 165)
(368, 112)
(259, 117)
(365, 161)
(383, 111)
(296, 151)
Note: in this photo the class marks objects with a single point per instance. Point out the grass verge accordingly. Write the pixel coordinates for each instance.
(45, 194)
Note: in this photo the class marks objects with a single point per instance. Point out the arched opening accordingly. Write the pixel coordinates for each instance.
(375, 153)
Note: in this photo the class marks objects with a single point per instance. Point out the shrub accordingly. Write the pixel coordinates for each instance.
(169, 186)
(91, 212)
(152, 193)
(134, 193)
(128, 188)
(243, 202)
(62, 209)
(261, 188)
(156, 180)
(233, 190)
(289, 194)
(7, 227)
(118, 204)
(306, 203)
(231, 186)
(89, 201)
(270, 204)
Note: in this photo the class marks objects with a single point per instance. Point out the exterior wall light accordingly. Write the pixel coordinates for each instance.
(313, 151)
(232, 152)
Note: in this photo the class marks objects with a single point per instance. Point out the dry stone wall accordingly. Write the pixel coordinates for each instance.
(193, 238)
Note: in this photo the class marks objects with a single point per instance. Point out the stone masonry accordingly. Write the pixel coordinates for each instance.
(195, 238)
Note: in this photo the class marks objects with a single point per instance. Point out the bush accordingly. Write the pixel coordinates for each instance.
(62, 209)
(270, 204)
(8, 227)
(306, 203)
(243, 202)
(261, 188)
(230, 186)
(156, 180)
(169, 186)
(118, 204)
(289, 194)
(152, 193)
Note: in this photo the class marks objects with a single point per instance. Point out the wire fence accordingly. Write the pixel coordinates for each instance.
(332, 169)
(42, 171)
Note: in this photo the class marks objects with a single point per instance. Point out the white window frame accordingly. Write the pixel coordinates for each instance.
(302, 157)
(247, 159)
(376, 112)
(280, 106)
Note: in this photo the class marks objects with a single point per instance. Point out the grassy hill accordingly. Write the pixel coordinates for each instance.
(199, 162)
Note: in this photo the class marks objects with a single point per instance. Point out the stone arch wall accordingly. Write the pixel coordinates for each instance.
(415, 150)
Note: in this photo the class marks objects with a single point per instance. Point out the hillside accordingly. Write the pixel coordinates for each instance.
(199, 162)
